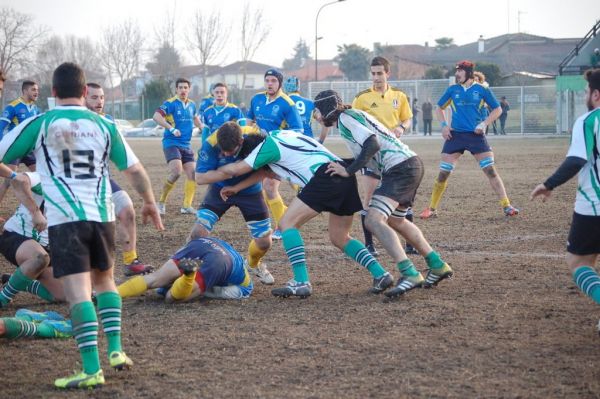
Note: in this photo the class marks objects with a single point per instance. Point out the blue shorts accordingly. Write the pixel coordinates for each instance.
(185, 155)
(461, 141)
(114, 186)
(28, 160)
(252, 206)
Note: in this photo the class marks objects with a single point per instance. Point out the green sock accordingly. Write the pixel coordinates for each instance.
(407, 268)
(588, 281)
(357, 251)
(294, 248)
(45, 331)
(19, 282)
(85, 330)
(109, 309)
(37, 288)
(17, 328)
(434, 261)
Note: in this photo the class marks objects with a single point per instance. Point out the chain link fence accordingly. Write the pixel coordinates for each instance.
(533, 109)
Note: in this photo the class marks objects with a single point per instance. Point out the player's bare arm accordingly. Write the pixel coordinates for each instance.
(136, 174)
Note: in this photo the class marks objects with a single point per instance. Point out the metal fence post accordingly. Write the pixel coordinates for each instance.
(522, 112)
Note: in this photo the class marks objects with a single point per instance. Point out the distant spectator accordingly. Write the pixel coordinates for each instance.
(595, 58)
(427, 109)
(415, 110)
(505, 108)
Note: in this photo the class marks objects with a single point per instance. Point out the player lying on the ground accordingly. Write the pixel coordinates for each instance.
(28, 323)
(206, 267)
(303, 161)
(24, 243)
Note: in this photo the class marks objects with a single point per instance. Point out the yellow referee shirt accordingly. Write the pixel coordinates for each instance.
(391, 108)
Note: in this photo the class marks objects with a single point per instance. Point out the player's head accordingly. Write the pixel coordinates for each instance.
(182, 88)
(211, 88)
(273, 81)
(592, 92)
(380, 72)
(219, 91)
(94, 98)
(328, 107)
(229, 138)
(464, 71)
(30, 90)
(2, 80)
(291, 84)
(68, 81)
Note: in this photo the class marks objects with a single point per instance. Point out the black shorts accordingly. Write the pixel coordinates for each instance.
(401, 182)
(584, 236)
(252, 206)
(10, 243)
(335, 194)
(78, 247)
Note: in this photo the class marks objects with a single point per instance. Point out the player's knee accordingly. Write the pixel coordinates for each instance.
(338, 240)
(264, 243)
(174, 176)
(41, 260)
(199, 231)
(490, 171)
(446, 169)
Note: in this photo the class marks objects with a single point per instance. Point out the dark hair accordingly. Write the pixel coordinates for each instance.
(2, 76)
(27, 84)
(214, 86)
(182, 80)
(330, 105)
(68, 80)
(251, 141)
(593, 78)
(381, 61)
(229, 136)
(93, 85)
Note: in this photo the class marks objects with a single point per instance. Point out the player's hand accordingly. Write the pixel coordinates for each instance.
(542, 190)
(335, 168)
(227, 192)
(398, 131)
(446, 133)
(39, 221)
(480, 129)
(150, 212)
(175, 132)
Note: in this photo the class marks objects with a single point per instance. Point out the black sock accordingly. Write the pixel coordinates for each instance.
(367, 233)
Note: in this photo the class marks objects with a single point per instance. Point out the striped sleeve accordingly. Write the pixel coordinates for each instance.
(21, 140)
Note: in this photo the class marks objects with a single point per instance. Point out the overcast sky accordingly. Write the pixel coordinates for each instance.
(351, 21)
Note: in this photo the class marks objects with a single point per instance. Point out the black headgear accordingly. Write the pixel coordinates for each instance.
(327, 102)
(276, 73)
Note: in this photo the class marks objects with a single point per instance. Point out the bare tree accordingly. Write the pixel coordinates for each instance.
(19, 37)
(119, 51)
(166, 32)
(207, 38)
(254, 33)
(57, 50)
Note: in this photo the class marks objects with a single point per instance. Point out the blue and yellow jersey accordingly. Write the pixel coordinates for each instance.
(16, 112)
(221, 264)
(180, 115)
(215, 116)
(204, 104)
(280, 113)
(210, 158)
(467, 104)
(305, 108)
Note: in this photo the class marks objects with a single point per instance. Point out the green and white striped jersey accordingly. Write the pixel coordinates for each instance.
(291, 155)
(72, 146)
(21, 222)
(357, 126)
(585, 144)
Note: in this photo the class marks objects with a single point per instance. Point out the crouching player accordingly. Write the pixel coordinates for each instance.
(24, 243)
(206, 267)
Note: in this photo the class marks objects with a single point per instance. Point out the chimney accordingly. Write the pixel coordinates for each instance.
(480, 44)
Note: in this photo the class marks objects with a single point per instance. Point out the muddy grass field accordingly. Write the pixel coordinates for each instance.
(509, 324)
